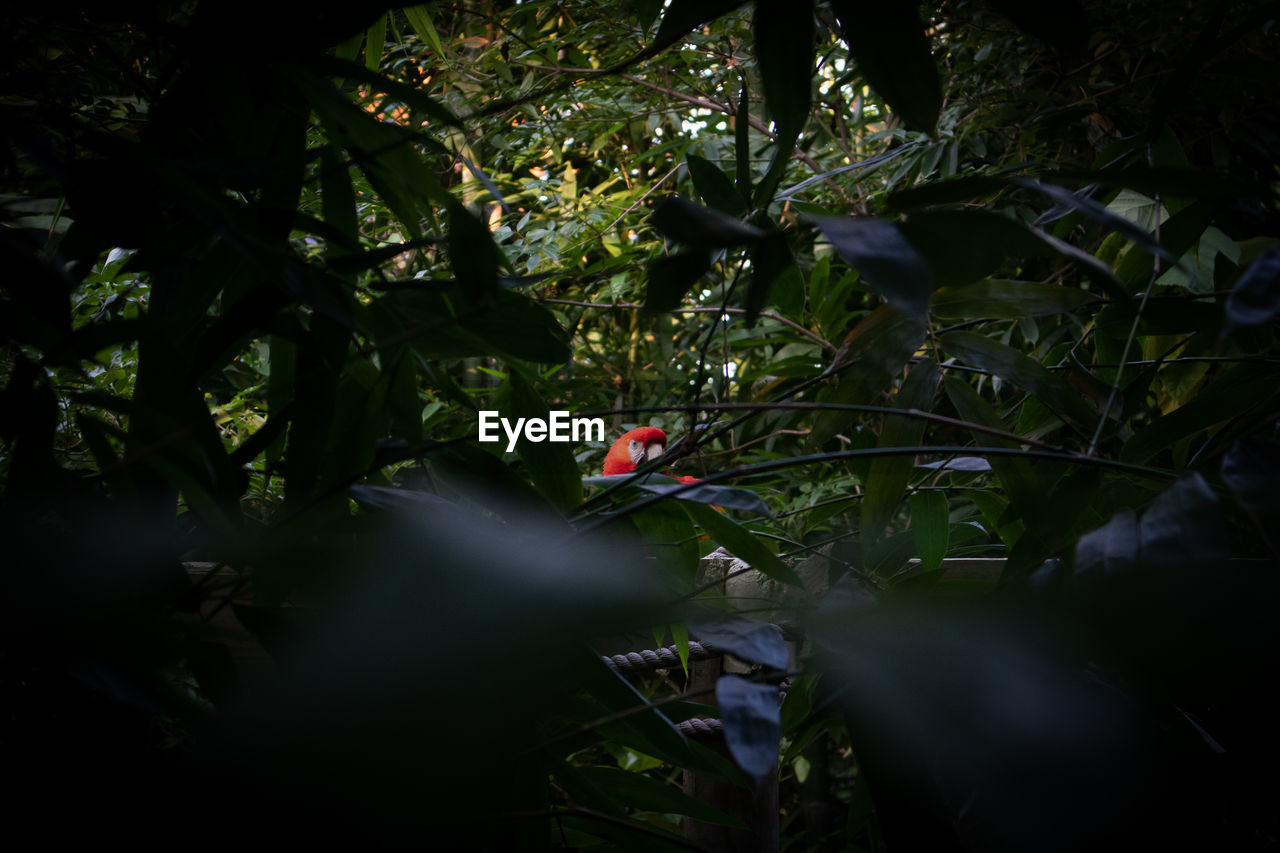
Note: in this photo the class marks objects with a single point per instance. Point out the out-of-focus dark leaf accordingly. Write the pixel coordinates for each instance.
(1063, 24)
(1183, 526)
(783, 35)
(752, 724)
(784, 52)
(1007, 300)
(714, 186)
(1112, 549)
(888, 42)
(638, 791)
(973, 733)
(684, 15)
(741, 542)
(671, 277)
(929, 527)
(745, 639)
(472, 252)
(887, 261)
(963, 246)
(728, 497)
(1255, 299)
(1251, 469)
(772, 266)
(946, 192)
(694, 225)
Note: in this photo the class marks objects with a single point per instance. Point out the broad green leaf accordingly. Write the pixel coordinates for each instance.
(671, 277)
(947, 192)
(887, 261)
(963, 246)
(742, 543)
(1006, 299)
(669, 534)
(694, 225)
(783, 36)
(550, 464)
(682, 16)
(728, 497)
(891, 49)
(375, 39)
(420, 19)
(714, 186)
(929, 526)
(889, 476)
(772, 269)
(472, 253)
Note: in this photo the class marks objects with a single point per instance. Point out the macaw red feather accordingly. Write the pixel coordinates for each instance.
(622, 456)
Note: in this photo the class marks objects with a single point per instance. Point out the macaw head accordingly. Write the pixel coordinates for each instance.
(634, 448)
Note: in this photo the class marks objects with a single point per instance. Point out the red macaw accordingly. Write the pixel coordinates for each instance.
(635, 448)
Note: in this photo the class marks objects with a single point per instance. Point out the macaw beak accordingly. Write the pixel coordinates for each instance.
(653, 451)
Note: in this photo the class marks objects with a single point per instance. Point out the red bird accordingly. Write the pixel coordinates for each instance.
(635, 448)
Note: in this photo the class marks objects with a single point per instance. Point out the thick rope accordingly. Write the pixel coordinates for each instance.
(667, 657)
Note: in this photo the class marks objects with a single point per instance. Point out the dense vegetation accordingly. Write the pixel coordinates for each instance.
(968, 280)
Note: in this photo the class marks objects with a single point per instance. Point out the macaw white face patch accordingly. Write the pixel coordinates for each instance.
(639, 453)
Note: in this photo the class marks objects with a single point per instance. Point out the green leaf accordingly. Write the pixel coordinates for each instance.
(1023, 371)
(946, 192)
(741, 542)
(963, 246)
(783, 34)
(886, 260)
(694, 225)
(889, 476)
(375, 39)
(1019, 479)
(1004, 299)
(891, 49)
(714, 186)
(472, 253)
(771, 266)
(420, 19)
(671, 277)
(929, 527)
(669, 534)
(682, 16)
(550, 464)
